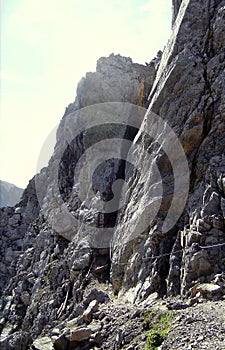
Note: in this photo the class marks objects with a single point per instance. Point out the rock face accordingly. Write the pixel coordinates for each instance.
(54, 277)
(116, 79)
(9, 194)
(189, 93)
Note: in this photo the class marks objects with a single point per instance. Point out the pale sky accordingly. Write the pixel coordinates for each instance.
(46, 47)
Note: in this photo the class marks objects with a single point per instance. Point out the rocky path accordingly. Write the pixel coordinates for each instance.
(108, 322)
(201, 326)
(127, 326)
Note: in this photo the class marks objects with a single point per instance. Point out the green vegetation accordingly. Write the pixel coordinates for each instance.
(159, 325)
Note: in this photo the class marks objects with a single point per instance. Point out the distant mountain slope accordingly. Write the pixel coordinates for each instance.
(9, 194)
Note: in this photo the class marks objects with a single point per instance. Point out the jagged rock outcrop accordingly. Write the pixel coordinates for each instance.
(14, 222)
(44, 278)
(117, 79)
(56, 284)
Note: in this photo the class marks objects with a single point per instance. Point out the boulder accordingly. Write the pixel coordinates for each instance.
(96, 294)
(44, 343)
(61, 343)
(206, 289)
(79, 334)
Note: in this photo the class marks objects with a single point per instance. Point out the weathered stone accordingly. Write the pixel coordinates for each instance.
(96, 294)
(206, 289)
(220, 280)
(79, 334)
(97, 338)
(44, 343)
(61, 343)
(15, 220)
(16, 341)
(72, 323)
(212, 206)
(218, 222)
(88, 313)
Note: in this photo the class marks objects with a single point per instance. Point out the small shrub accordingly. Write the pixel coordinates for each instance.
(159, 325)
(154, 340)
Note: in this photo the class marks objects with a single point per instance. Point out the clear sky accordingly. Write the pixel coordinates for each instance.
(46, 47)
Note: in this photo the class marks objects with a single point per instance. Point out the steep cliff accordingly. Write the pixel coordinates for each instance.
(188, 93)
(82, 234)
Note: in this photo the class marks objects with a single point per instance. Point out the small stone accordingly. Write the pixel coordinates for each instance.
(177, 306)
(96, 315)
(130, 347)
(14, 221)
(212, 206)
(143, 337)
(87, 315)
(55, 331)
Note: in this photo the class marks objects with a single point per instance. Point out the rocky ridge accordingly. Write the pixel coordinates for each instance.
(58, 290)
(9, 194)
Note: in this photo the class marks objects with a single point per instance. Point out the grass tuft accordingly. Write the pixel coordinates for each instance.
(159, 326)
